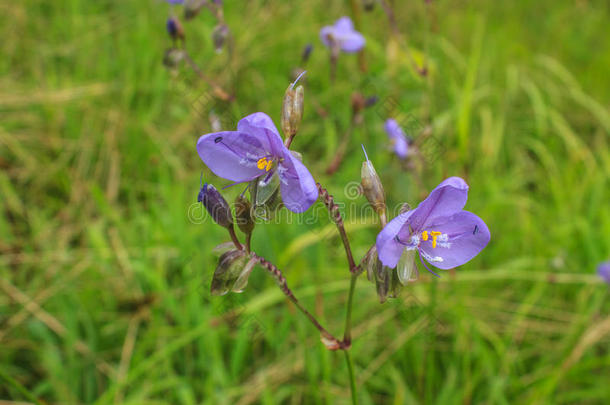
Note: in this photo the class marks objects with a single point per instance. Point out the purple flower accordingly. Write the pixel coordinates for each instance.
(603, 270)
(443, 234)
(343, 35)
(256, 150)
(397, 137)
(175, 1)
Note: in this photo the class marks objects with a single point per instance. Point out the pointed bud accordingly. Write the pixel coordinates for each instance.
(228, 270)
(192, 8)
(219, 36)
(174, 28)
(292, 109)
(372, 188)
(217, 206)
(243, 214)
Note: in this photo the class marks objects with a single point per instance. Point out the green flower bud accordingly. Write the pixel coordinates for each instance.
(219, 36)
(372, 188)
(192, 8)
(292, 109)
(173, 57)
(243, 214)
(228, 270)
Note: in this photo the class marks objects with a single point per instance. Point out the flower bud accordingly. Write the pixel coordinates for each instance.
(243, 214)
(216, 205)
(292, 109)
(192, 8)
(174, 28)
(219, 36)
(306, 53)
(372, 188)
(173, 57)
(228, 270)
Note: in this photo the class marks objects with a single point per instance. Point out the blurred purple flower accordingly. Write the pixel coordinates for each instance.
(175, 1)
(443, 234)
(256, 150)
(343, 35)
(398, 139)
(603, 270)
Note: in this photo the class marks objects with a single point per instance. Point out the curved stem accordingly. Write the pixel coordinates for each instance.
(329, 340)
(234, 239)
(352, 380)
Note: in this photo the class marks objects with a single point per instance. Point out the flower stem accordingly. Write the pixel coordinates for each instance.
(352, 380)
(218, 91)
(234, 238)
(347, 334)
(330, 341)
(335, 215)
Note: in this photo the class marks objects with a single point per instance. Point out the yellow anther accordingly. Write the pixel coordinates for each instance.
(435, 235)
(424, 235)
(264, 164)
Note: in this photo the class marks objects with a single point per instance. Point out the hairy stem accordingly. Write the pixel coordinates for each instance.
(330, 341)
(335, 215)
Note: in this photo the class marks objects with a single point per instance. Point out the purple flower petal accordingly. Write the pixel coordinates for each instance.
(603, 270)
(233, 155)
(389, 249)
(352, 42)
(447, 199)
(348, 39)
(297, 186)
(397, 137)
(462, 237)
(261, 126)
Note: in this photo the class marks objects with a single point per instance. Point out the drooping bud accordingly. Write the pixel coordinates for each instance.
(292, 109)
(173, 57)
(219, 36)
(192, 8)
(228, 270)
(174, 28)
(243, 214)
(372, 188)
(217, 206)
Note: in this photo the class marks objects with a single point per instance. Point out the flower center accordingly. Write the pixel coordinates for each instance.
(264, 164)
(434, 234)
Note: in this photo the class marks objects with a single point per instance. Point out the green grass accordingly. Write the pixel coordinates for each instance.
(98, 172)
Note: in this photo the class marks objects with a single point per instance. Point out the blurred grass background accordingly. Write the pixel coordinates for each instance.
(105, 279)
